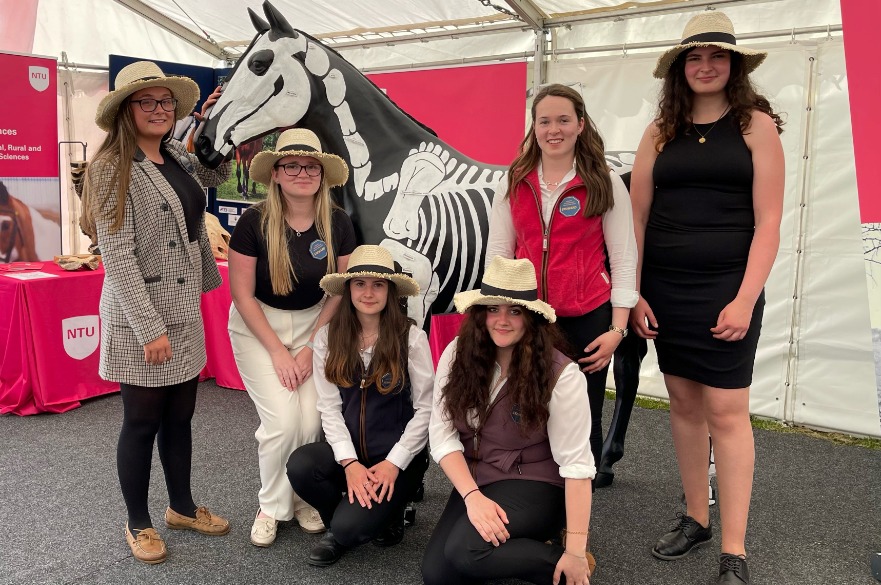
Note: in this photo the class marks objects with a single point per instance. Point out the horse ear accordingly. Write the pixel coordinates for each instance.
(277, 22)
(261, 25)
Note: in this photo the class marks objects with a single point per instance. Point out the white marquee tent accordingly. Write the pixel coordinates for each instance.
(815, 365)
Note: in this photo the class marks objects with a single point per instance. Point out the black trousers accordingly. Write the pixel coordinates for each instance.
(320, 481)
(456, 554)
(579, 332)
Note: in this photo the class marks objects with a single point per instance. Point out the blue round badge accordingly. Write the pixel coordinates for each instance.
(318, 249)
(569, 206)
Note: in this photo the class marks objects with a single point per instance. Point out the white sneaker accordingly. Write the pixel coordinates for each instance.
(263, 531)
(310, 520)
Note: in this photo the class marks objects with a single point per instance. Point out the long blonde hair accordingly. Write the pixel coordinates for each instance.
(274, 228)
(590, 159)
(116, 152)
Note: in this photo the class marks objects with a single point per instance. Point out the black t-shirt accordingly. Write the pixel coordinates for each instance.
(308, 257)
(190, 193)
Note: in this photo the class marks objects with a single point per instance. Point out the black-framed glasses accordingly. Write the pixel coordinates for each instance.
(294, 169)
(149, 104)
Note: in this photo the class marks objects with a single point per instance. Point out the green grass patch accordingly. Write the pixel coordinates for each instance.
(772, 425)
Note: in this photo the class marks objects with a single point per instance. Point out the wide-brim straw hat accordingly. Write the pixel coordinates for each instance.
(299, 142)
(507, 282)
(710, 28)
(370, 261)
(140, 75)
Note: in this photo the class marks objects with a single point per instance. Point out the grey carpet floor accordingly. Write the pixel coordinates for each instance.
(815, 517)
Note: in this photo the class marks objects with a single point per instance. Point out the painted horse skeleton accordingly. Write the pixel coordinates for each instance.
(408, 191)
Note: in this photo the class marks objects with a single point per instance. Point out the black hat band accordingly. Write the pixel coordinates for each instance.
(521, 295)
(370, 268)
(303, 147)
(710, 37)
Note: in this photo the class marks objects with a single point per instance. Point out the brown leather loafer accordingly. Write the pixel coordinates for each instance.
(205, 522)
(148, 547)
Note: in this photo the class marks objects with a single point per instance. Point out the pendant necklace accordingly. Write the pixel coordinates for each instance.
(703, 137)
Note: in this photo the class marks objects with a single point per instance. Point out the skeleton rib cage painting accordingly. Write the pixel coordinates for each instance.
(408, 191)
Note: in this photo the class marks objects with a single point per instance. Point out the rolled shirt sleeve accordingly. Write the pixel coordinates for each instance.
(569, 425)
(421, 371)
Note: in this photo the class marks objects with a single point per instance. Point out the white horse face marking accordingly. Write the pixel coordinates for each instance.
(269, 89)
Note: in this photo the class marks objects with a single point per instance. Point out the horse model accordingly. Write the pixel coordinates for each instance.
(424, 201)
(17, 242)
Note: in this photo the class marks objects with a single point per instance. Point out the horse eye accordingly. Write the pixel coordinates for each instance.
(260, 61)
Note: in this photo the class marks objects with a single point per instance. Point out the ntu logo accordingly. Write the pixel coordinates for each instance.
(80, 336)
(39, 77)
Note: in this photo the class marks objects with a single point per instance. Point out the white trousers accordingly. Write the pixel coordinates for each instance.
(288, 419)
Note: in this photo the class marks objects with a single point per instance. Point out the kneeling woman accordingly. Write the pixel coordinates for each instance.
(510, 427)
(374, 376)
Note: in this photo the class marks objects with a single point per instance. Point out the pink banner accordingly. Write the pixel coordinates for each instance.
(28, 131)
(477, 110)
(860, 20)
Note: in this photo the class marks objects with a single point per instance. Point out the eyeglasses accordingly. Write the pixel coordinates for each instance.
(294, 169)
(149, 105)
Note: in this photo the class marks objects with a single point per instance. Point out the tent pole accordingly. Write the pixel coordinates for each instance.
(539, 64)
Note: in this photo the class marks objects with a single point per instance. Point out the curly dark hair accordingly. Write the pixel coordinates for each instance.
(343, 361)
(677, 99)
(530, 376)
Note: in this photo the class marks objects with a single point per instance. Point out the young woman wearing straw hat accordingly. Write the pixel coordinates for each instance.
(145, 196)
(374, 374)
(510, 427)
(707, 189)
(279, 251)
(564, 210)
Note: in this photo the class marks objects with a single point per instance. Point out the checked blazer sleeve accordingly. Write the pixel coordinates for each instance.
(122, 272)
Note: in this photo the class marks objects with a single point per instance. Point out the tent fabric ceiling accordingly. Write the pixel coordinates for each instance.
(86, 31)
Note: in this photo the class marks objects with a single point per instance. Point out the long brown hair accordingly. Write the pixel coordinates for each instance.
(116, 152)
(274, 228)
(343, 361)
(677, 100)
(590, 160)
(530, 374)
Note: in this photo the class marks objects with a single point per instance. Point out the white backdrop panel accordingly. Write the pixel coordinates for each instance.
(621, 96)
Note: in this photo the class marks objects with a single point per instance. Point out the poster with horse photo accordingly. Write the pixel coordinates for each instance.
(30, 204)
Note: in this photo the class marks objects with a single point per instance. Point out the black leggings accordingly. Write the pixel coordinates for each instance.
(457, 554)
(320, 481)
(580, 332)
(166, 411)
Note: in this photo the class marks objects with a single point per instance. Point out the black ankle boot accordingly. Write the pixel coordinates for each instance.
(326, 552)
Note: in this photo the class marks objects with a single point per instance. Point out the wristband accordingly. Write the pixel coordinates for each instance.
(477, 489)
(349, 463)
(574, 555)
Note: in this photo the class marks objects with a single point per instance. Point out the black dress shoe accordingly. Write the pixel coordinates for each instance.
(326, 552)
(732, 570)
(687, 534)
(391, 534)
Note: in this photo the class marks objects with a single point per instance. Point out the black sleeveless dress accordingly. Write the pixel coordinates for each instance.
(697, 243)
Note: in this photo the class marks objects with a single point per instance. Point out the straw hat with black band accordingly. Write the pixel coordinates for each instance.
(710, 28)
(299, 142)
(141, 75)
(507, 282)
(368, 261)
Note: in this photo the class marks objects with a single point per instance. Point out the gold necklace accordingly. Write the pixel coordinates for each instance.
(364, 338)
(703, 137)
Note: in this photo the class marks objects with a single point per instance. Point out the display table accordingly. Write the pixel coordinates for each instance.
(50, 333)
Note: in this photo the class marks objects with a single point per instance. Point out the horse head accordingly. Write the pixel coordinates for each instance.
(266, 81)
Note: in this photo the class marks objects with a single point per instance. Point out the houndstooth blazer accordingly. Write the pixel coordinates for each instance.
(154, 275)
